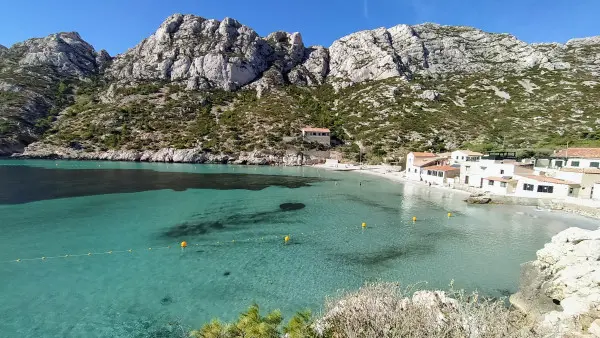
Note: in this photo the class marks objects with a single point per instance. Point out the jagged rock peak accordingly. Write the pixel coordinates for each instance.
(2, 47)
(203, 53)
(66, 52)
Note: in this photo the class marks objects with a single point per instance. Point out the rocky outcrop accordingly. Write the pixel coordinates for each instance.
(478, 198)
(289, 158)
(66, 53)
(561, 288)
(222, 54)
(30, 73)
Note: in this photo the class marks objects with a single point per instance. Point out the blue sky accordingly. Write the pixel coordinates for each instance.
(117, 25)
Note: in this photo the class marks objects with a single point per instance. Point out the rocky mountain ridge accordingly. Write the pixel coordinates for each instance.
(218, 85)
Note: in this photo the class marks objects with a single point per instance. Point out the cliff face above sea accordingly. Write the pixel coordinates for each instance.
(218, 86)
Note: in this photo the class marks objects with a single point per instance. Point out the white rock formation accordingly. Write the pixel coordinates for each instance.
(68, 53)
(562, 287)
(41, 150)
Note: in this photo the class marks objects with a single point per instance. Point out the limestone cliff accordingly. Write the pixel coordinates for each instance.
(218, 85)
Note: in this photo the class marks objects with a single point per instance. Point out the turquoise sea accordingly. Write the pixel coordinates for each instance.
(234, 219)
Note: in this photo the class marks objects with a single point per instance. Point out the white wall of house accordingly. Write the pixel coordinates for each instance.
(321, 137)
(558, 190)
(596, 192)
(477, 171)
(497, 187)
(585, 180)
(433, 179)
(412, 172)
(576, 162)
(457, 157)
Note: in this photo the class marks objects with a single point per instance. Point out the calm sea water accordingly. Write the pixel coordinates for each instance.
(234, 219)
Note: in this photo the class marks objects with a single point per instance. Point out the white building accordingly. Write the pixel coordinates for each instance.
(596, 191)
(585, 177)
(499, 185)
(440, 174)
(575, 158)
(461, 156)
(415, 161)
(320, 135)
(544, 187)
(473, 174)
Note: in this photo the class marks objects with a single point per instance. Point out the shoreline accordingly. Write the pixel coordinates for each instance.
(586, 208)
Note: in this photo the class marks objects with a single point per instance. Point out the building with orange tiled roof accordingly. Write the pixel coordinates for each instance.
(575, 158)
(440, 174)
(417, 161)
(541, 186)
(320, 135)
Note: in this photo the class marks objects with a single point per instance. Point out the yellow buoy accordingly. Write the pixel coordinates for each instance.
(286, 238)
(364, 225)
(449, 214)
(183, 244)
(414, 218)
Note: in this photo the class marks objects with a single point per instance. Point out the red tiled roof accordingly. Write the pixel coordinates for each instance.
(549, 179)
(499, 179)
(422, 162)
(417, 154)
(318, 130)
(443, 168)
(578, 152)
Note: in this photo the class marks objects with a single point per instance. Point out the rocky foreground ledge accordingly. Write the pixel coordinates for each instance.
(560, 290)
(196, 155)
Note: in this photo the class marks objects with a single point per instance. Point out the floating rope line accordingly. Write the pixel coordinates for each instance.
(182, 245)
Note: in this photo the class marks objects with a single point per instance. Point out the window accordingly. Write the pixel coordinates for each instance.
(558, 164)
(503, 184)
(490, 182)
(575, 163)
(528, 187)
(570, 191)
(548, 189)
(440, 174)
(594, 164)
(463, 158)
(429, 172)
(501, 171)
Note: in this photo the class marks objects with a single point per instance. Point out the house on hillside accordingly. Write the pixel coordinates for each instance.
(440, 174)
(572, 158)
(416, 161)
(320, 135)
(460, 156)
(545, 187)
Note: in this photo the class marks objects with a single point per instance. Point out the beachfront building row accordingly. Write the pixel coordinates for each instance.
(559, 176)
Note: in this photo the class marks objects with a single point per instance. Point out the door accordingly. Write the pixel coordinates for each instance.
(481, 183)
(466, 179)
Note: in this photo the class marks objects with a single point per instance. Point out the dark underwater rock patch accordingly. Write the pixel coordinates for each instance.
(291, 206)
(24, 184)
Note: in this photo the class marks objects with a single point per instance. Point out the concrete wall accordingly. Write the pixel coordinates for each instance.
(559, 190)
(596, 195)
